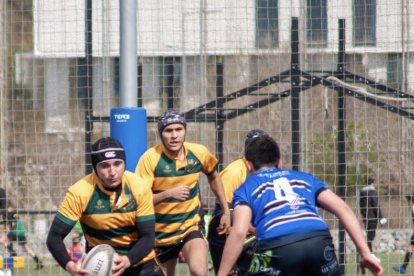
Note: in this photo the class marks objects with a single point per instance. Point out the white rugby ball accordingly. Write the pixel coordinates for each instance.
(99, 260)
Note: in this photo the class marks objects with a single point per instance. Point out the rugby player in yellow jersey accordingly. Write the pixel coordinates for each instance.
(114, 207)
(232, 177)
(173, 168)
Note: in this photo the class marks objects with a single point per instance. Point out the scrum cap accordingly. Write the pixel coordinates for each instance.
(170, 117)
(253, 134)
(106, 149)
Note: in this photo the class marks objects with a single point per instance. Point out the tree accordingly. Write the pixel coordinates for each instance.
(361, 157)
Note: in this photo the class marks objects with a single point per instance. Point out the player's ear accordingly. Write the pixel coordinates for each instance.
(279, 164)
(249, 166)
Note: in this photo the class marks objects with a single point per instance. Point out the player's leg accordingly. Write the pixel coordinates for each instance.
(11, 237)
(3, 238)
(409, 251)
(215, 242)
(306, 257)
(23, 243)
(27, 249)
(150, 268)
(195, 252)
(39, 264)
(216, 252)
(167, 256)
(321, 257)
(169, 267)
(408, 254)
(371, 231)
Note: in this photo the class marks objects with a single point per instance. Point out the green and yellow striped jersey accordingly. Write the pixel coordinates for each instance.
(175, 218)
(233, 175)
(103, 220)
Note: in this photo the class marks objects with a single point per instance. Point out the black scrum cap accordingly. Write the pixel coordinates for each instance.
(170, 117)
(105, 149)
(253, 134)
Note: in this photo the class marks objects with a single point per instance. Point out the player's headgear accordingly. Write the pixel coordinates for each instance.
(106, 149)
(253, 134)
(170, 117)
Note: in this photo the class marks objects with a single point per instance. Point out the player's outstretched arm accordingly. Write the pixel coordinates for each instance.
(334, 204)
(234, 242)
(217, 188)
(54, 241)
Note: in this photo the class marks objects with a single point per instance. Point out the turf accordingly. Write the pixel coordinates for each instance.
(388, 261)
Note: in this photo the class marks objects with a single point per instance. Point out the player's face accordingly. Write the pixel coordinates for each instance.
(173, 137)
(110, 172)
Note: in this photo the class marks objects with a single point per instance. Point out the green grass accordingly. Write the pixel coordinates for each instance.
(388, 261)
(53, 269)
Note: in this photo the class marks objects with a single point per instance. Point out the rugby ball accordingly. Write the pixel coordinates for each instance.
(99, 260)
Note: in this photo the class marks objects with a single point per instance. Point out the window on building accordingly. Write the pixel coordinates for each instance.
(317, 22)
(267, 26)
(364, 21)
(170, 80)
(116, 75)
(394, 70)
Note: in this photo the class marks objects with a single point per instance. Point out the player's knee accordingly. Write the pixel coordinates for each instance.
(198, 265)
(198, 270)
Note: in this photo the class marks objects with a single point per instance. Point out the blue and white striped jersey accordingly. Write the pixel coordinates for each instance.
(283, 202)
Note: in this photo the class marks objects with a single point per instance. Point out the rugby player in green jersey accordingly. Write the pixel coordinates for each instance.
(232, 176)
(173, 169)
(114, 207)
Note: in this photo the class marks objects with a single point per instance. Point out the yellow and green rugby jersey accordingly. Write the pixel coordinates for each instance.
(103, 220)
(174, 219)
(232, 177)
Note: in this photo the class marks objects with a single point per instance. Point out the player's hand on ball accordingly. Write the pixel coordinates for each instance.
(75, 269)
(121, 263)
(100, 261)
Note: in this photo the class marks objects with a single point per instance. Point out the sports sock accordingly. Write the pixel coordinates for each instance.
(407, 258)
(11, 250)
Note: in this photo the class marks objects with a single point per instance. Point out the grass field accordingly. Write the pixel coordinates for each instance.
(388, 261)
(53, 269)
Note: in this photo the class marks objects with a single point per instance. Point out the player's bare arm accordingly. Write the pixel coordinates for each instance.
(181, 193)
(333, 203)
(217, 187)
(234, 242)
